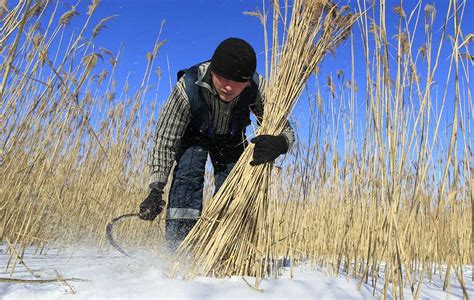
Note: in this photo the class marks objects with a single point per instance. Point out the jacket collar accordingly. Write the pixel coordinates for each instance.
(204, 78)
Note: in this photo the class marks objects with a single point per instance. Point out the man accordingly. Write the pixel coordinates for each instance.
(207, 113)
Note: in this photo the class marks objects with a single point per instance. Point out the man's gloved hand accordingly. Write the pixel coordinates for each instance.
(152, 206)
(268, 148)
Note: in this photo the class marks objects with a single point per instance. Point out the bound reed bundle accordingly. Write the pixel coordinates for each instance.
(234, 234)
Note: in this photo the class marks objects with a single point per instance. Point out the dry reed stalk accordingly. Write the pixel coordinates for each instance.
(381, 205)
(50, 168)
(12, 52)
(234, 235)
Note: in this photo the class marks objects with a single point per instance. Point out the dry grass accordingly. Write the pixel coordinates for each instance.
(73, 143)
(396, 199)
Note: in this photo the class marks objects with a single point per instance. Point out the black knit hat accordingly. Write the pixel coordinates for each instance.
(234, 59)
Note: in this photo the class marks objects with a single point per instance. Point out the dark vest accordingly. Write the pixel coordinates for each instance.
(200, 130)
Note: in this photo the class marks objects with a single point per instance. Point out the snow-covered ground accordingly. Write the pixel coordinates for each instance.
(115, 276)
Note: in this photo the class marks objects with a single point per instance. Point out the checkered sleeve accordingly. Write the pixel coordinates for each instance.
(174, 118)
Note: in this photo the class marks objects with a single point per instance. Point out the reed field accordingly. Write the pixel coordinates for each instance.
(379, 189)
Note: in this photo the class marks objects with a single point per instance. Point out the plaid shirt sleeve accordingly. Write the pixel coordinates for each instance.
(172, 123)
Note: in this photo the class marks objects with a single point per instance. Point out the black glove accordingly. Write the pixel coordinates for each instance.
(268, 148)
(152, 206)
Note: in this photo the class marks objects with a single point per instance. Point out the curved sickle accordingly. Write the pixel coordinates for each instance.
(109, 230)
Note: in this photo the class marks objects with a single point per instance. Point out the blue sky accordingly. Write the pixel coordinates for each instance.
(193, 29)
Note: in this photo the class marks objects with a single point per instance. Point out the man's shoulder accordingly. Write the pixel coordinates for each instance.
(200, 69)
(257, 78)
(259, 81)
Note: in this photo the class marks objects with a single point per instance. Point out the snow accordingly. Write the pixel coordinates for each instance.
(111, 275)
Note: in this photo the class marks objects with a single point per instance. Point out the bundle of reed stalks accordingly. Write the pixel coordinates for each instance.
(234, 235)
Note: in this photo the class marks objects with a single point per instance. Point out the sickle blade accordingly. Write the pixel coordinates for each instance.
(109, 231)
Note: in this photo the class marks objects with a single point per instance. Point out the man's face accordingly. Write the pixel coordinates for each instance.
(227, 89)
